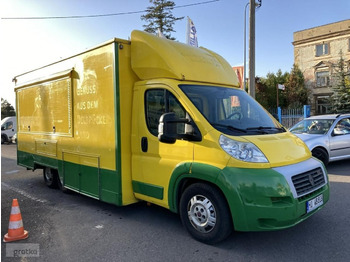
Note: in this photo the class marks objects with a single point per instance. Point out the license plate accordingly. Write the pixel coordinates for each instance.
(314, 203)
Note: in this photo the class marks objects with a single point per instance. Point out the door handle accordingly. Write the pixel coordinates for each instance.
(144, 144)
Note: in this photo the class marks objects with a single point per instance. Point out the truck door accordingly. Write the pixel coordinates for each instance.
(153, 161)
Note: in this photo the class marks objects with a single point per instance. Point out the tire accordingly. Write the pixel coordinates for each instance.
(50, 177)
(61, 187)
(4, 139)
(205, 214)
(321, 154)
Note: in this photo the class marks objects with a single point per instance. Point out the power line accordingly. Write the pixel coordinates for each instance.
(69, 17)
(100, 15)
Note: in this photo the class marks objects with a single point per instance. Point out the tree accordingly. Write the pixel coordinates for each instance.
(296, 92)
(340, 100)
(6, 109)
(159, 16)
(266, 91)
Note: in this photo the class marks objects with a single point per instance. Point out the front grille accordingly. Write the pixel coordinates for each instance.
(308, 181)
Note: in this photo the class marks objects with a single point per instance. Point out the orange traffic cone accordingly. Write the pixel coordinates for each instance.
(16, 230)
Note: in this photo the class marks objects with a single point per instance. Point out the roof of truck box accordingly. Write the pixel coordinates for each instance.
(117, 40)
(154, 57)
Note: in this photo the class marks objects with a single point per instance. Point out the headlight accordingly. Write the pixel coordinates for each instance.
(247, 152)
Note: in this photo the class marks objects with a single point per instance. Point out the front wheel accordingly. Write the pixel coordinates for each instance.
(205, 214)
(321, 154)
(4, 139)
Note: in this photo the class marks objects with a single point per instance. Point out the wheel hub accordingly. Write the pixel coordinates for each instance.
(201, 213)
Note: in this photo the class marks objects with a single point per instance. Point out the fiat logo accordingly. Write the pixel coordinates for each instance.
(311, 180)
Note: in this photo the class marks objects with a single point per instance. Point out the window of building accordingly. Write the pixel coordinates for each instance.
(323, 105)
(322, 49)
(322, 78)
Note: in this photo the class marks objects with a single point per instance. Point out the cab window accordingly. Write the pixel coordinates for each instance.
(158, 102)
(342, 127)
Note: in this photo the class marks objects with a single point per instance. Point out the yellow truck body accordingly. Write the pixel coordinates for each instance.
(156, 120)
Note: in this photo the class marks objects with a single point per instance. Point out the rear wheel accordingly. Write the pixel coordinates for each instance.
(50, 177)
(205, 214)
(321, 154)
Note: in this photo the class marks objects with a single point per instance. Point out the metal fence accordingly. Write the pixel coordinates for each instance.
(289, 117)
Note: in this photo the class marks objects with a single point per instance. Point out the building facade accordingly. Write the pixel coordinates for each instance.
(317, 51)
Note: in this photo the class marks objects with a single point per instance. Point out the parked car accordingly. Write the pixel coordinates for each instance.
(327, 136)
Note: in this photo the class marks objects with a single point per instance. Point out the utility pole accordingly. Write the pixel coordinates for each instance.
(244, 48)
(252, 6)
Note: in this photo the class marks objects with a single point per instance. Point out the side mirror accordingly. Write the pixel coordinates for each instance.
(167, 128)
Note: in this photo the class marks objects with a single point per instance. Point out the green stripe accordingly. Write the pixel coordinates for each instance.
(148, 189)
(95, 182)
(30, 160)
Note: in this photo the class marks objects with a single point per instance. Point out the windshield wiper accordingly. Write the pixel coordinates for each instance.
(263, 128)
(231, 128)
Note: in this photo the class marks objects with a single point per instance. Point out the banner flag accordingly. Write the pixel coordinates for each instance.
(160, 34)
(191, 38)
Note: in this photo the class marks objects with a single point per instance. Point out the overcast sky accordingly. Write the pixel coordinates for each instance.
(26, 44)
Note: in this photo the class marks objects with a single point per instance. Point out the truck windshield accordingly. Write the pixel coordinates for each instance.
(231, 111)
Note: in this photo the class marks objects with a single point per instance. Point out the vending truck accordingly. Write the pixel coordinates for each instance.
(159, 121)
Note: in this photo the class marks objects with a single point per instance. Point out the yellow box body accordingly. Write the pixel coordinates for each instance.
(86, 117)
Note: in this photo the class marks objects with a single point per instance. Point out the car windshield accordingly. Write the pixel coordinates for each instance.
(312, 126)
(232, 111)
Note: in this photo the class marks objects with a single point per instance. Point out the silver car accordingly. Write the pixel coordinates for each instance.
(327, 136)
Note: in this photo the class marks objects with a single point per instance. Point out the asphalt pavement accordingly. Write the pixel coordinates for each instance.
(73, 227)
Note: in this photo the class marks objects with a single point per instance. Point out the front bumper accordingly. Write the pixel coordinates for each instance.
(268, 199)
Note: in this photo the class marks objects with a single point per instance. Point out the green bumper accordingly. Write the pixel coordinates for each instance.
(266, 199)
